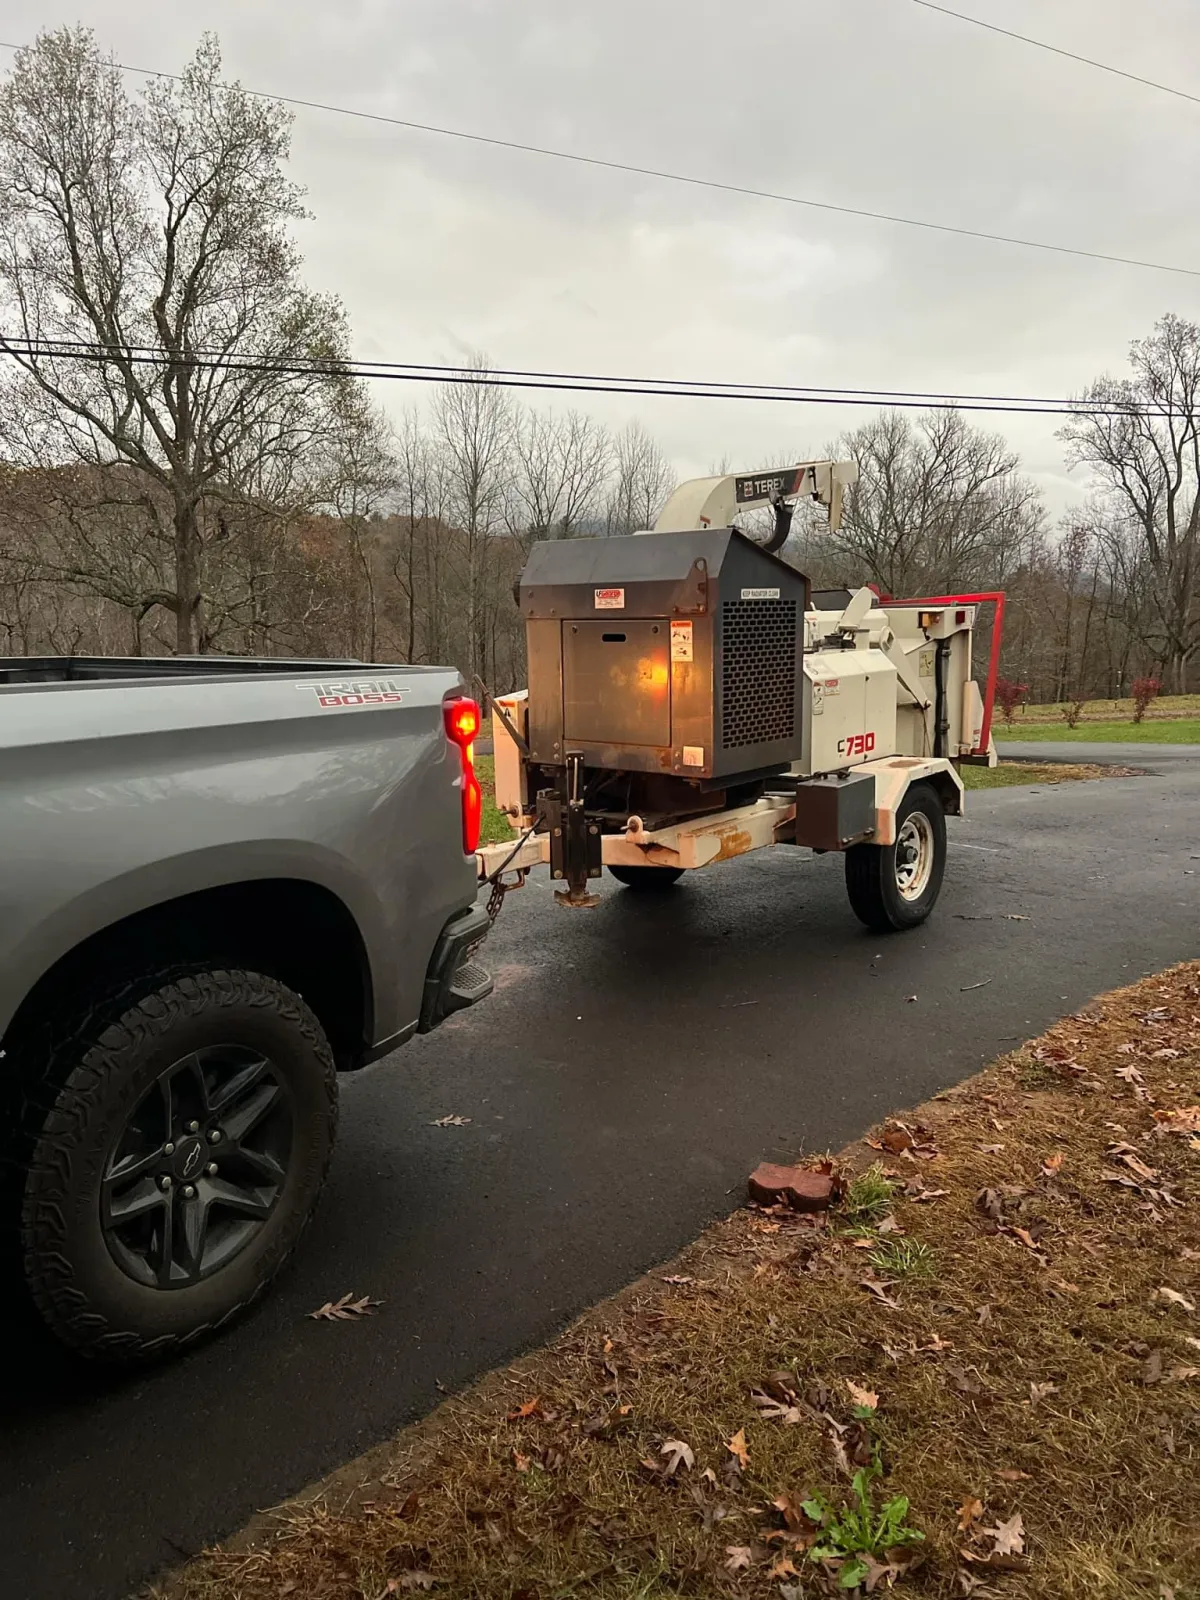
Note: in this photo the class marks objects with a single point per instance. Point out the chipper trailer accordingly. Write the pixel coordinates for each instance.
(691, 699)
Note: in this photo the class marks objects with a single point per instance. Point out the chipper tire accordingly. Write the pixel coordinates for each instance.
(647, 880)
(895, 886)
(179, 1138)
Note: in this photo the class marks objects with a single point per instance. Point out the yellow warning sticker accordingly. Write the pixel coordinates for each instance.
(681, 640)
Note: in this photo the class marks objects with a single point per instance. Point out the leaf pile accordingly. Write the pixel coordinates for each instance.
(982, 1379)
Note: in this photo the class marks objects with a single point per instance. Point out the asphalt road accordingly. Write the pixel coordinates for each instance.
(635, 1063)
(1149, 756)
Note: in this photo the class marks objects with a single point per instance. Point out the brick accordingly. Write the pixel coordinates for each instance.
(797, 1187)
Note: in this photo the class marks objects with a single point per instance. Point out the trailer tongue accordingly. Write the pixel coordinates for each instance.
(690, 700)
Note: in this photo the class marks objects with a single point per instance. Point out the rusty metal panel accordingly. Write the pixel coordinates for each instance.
(544, 641)
(616, 682)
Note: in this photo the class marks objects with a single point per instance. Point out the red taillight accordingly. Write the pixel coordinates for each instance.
(463, 721)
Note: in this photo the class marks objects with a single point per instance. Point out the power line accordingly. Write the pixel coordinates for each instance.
(47, 345)
(1069, 55)
(685, 178)
(26, 351)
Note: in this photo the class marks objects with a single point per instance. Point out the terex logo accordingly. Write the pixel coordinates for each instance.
(355, 692)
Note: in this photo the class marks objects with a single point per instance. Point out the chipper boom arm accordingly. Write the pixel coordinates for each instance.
(715, 502)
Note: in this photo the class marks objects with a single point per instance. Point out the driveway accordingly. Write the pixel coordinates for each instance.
(1150, 757)
(635, 1063)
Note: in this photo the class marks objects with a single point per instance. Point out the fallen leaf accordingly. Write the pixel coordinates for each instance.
(1165, 1055)
(782, 1567)
(1052, 1163)
(1015, 916)
(1195, 1343)
(1041, 1391)
(738, 1557)
(897, 1140)
(1008, 1537)
(1026, 1238)
(347, 1309)
(989, 1149)
(909, 998)
(531, 1408)
(737, 1447)
(970, 1511)
(1129, 1074)
(771, 1410)
(1152, 1372)
(450, 1121)
(862, 1397)
(1174, 1298)
(1014, 1475)
(1185, 1120)
(413, 1580)
(677, 1453)
(991, 1203)
(678, 1278)
(880, 1291)
(522, 1462)
(1182, 1374)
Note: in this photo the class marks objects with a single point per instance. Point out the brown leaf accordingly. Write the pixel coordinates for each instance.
(789, 1509)
(1013, 1475)
(523, 1463)
(347, 1309)
(678, 1278)
(1009, 1537)
(1041, 1391)
(738, 1557)
(737, 1447)
(450, 1121)
(862, 1397)
(1152, 1372)
(412, 1580)
(897, 1140)
(996, 1561)
(1182, 1374)
(1052, 1163)
(880, 1291)
(1184, 1120)
(677, 1453)
(991, 1203)
(1129, 1074)
(1026, 1238)
(531, 1408)
(970, 1511)
(782, 1567)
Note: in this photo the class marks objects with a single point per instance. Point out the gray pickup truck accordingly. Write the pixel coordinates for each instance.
(223, 882)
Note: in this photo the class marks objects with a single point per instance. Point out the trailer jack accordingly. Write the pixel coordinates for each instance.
(574, 841)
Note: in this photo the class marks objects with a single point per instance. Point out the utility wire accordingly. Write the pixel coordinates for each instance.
(53, 345)
(27, 352)
(1069, 55)
(685, 178)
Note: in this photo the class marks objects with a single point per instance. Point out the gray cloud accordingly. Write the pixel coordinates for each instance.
(439, 247)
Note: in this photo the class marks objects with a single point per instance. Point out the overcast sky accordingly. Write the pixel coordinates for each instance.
(439, 248)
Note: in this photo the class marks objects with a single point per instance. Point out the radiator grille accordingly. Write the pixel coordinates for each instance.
(759, 672)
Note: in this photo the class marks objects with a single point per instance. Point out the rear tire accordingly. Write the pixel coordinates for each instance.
(187, 1138)
(895, 886)
(647, 880)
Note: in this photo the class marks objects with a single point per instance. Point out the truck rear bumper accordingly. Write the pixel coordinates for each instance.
(455, 979)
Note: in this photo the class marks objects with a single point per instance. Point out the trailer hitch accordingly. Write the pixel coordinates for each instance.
(575, 846)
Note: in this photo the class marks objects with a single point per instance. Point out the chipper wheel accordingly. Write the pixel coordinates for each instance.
(894, 886)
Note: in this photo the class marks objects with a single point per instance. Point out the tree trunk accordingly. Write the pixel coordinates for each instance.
(187, 578)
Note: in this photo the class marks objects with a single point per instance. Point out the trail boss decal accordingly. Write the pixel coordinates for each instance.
(856, 744)
(357, 692)
(610, 599)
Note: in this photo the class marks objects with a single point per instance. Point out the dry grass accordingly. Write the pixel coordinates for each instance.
(1016, 774)
(1165, 707)
(1035, 1367)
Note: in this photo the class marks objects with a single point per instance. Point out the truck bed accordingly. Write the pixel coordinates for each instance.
(159, 669)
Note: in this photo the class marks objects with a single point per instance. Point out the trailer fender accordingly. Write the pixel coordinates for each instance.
(895, 775)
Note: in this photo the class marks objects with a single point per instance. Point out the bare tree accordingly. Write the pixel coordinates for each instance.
(563, 463)
(644, 479)
(474, 424)
(938, 505)
(363, 480)
(1145, 455)
(155, 232)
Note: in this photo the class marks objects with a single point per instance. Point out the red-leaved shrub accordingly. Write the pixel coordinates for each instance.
(1010, 695)
(1144, 690)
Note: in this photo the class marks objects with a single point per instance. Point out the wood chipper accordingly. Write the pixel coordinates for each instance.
(691, 699)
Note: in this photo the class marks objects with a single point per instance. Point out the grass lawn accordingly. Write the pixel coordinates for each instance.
(977, 1374)
(1175, 730)
(1012, 774)
(494, 827)
(1165, 707)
